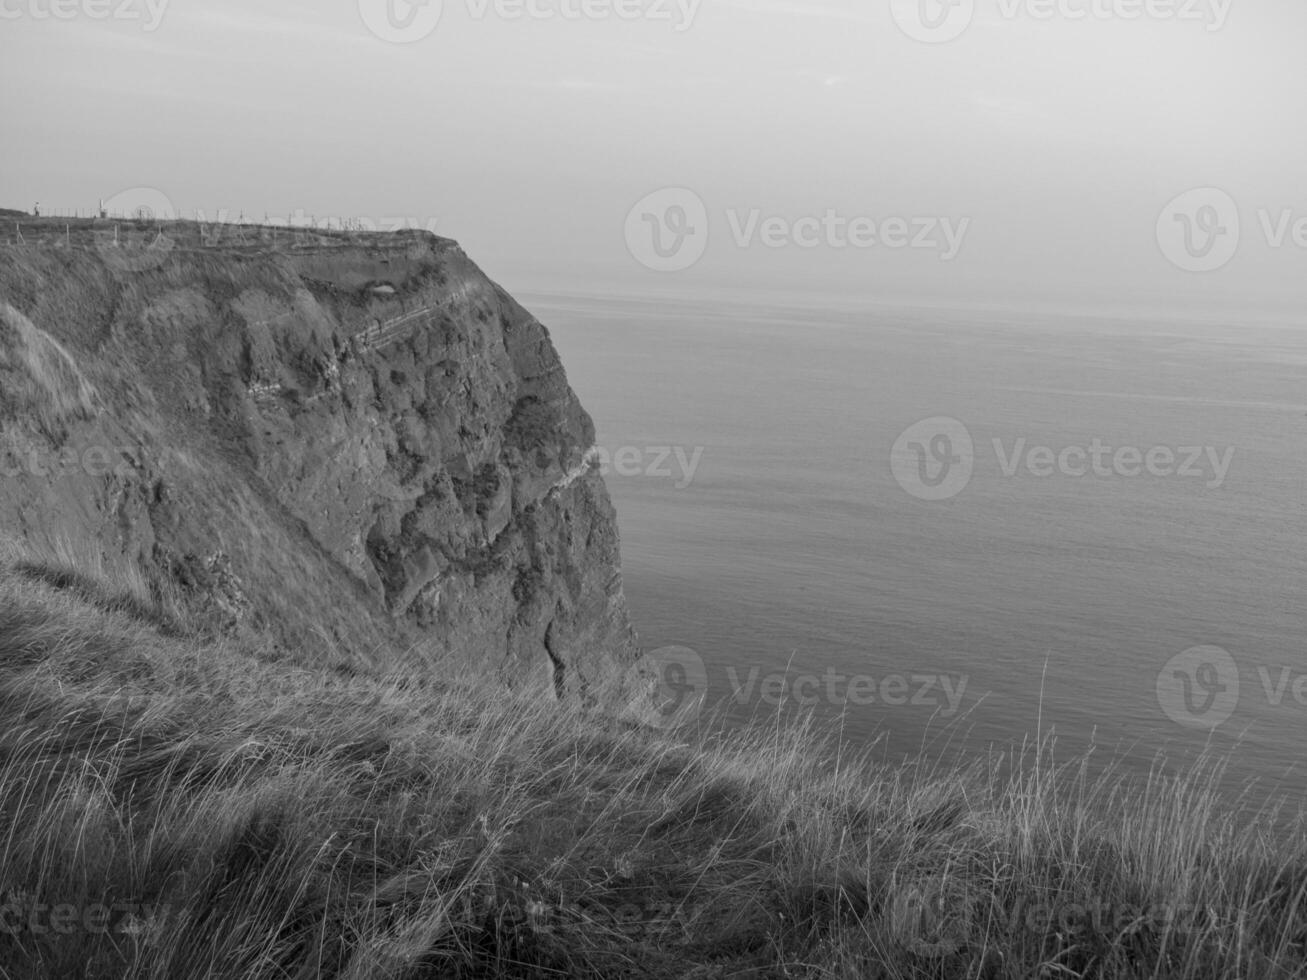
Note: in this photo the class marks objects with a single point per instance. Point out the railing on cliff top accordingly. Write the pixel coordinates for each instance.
(19, 228)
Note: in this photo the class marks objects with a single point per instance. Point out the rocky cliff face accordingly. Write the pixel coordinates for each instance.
(349, 442)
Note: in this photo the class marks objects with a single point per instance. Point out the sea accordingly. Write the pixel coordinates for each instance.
(947, 532)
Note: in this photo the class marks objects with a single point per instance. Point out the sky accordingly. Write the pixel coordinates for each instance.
(1080, 152)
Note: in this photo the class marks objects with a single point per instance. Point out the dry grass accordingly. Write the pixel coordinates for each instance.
(38, 378)
(241, 819)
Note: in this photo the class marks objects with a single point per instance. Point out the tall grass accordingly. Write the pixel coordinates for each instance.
(39, 380)
(226, 817)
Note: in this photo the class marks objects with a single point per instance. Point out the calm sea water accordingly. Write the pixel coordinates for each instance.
(1058, 600)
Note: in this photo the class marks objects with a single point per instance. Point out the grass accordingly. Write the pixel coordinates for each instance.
(39, 380)
(173, 806)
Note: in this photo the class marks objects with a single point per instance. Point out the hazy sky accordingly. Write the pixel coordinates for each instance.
(1030, 147)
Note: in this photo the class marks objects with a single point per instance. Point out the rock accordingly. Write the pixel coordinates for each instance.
(355, 441)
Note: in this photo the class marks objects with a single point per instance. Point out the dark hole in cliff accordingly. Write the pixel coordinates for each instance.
(475, 494)
(384, 553)
(527, 587)
(485, 485)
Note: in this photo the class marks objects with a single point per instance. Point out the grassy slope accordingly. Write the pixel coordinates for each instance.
(241, 817)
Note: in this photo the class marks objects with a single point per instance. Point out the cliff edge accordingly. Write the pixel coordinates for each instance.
(348, 442)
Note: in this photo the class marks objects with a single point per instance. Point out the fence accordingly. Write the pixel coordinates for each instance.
(299, 218)
(67, 227)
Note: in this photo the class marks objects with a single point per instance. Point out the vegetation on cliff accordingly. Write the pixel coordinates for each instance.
(178, 806)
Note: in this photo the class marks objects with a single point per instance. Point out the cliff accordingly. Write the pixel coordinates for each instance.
(348, 442)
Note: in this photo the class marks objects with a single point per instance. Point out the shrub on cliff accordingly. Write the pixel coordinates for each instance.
(533, 425)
